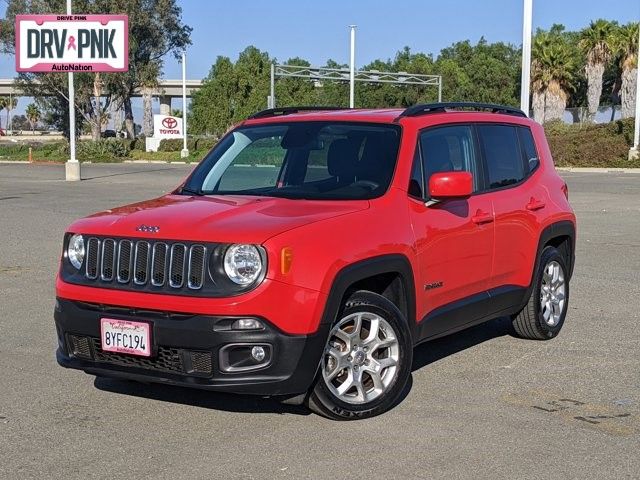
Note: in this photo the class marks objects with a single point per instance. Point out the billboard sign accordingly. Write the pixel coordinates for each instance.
(166, 126)
(72, 43)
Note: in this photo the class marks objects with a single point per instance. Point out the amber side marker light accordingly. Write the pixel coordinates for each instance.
(286, 259)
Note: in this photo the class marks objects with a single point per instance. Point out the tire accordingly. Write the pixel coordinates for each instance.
(363, 375)
(543, 316)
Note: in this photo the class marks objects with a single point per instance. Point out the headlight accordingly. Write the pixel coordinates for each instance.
(243, 264)
(75, 250)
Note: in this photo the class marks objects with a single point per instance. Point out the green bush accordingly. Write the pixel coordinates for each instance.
(206, 143)
(104, 149)
(170, 145)
(175, 144)
(581, 145)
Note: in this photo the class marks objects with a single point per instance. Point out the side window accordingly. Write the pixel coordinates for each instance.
(502, 155)
(529, 146)
(447, 149)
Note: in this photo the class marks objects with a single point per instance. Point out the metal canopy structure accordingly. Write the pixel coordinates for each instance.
(320, 74)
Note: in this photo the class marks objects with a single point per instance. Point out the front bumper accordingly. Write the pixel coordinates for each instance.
(188, 350)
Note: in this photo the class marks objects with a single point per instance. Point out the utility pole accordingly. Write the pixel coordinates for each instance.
(635, 150)
(271, 101)
(352, 71)
(185, 151)
(525, 79)
(72, 167)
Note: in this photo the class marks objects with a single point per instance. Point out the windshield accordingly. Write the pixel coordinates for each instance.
(311, 160)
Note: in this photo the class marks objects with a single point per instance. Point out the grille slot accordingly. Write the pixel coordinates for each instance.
(124, 261)
(176, 270)
(201, 362)
(93, 245)
(141, 263)
(107, 260)
(197, 255)
(79, 346)
(158, 264)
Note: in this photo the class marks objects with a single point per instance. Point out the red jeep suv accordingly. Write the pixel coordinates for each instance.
(313, 248)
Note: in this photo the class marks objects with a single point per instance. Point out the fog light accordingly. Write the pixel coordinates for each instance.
(247, 324)
(258, 354)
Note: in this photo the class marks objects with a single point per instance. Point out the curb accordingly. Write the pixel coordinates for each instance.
(597, 170)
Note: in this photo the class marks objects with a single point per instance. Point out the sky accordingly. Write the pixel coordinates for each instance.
(318, 30)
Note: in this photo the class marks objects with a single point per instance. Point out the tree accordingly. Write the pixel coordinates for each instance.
(176, 113)
(552, 74)
(33, 115)
(20, 122)
(626, 48)
(212, 107)
(4, 101)
(8, 103)
(596, 41)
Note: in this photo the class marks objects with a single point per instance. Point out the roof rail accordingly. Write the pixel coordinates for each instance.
(426, 108)
(273, 112)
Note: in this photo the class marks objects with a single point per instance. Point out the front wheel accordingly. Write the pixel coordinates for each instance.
(366, 362)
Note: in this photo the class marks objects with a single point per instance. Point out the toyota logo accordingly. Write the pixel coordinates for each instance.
(169, 122)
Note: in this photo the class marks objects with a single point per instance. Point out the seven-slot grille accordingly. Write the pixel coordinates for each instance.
(141, 262)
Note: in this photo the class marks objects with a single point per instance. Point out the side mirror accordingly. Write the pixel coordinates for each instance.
(444, 185)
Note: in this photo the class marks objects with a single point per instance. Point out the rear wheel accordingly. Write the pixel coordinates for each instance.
(366, 362)
(543, 316)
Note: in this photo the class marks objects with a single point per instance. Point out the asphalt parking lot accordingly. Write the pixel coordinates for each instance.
(482, 403)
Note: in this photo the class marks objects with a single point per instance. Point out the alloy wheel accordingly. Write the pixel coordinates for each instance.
(361, 359)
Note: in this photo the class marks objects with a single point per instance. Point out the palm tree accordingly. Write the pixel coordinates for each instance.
(551, 76)
(33, 115)
(596, 41)
(12, 103)
(4, 101)
(626, 48)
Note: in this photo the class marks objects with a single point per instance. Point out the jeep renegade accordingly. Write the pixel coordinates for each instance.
(313, 248)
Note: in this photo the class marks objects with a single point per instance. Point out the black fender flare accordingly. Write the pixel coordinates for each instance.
(564, 228)
(352, 273)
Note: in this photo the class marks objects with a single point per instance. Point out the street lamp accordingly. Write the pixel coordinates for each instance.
(352, 67)
(525, 79)
(185, 151)
(72, 167)
(634, 152)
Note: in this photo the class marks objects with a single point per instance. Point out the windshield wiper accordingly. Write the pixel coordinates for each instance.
(186, 190)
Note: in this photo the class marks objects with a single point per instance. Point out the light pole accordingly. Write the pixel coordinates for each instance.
(352, 67)
(72, 167)
(185, 151)
(525, 79)
(635, 150)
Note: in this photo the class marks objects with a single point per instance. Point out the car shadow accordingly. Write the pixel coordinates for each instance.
(425, 354)
(434, 350)
(198, 398)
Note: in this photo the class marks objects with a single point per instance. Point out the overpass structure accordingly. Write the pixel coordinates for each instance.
(165, 91)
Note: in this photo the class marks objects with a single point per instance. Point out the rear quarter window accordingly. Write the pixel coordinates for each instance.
(502, 153)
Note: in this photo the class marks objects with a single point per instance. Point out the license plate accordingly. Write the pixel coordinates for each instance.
(123, 336)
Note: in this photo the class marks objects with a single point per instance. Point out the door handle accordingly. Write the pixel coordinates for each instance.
(535, 204)
(482, 217)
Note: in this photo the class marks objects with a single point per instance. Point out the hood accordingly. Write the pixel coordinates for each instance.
(225, 219)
